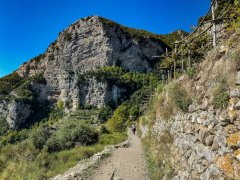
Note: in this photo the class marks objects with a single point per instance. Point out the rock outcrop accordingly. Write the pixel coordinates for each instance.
(88, 44)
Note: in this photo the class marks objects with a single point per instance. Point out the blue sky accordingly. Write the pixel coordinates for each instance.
(27, 27)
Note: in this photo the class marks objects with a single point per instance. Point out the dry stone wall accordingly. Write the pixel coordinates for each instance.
(206, 139)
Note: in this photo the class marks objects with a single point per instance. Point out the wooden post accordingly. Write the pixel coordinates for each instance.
(189, 58)
(170, 73)
(216, 4)
(175, 62)
(182, 62)
(214, 24)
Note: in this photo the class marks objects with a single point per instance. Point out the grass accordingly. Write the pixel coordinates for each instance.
(220, 94)
(179, 96)
(115, 138)
(158, 156)
(24, 161)
(158, 151)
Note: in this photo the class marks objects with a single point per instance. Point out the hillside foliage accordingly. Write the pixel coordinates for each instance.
(166, 39)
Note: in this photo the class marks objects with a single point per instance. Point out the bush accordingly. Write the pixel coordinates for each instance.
(4, 127)
(55, 115)
(9, 83)
(12, 137)
(25, 93)
(40, 136)
(235, 16)
(134, 112)
(70, 134)
(120, 77)
(103, 130)
(60, 105)
(117, 123)
(104, 113)
(221, 100)
(39, 78)
(190, 72)
(69, 103)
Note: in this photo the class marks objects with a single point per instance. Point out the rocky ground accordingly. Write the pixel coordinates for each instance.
(125, 163)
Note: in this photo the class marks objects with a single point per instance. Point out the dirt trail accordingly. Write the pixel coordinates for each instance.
(124, 164)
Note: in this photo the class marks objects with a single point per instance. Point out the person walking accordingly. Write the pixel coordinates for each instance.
(134, 129)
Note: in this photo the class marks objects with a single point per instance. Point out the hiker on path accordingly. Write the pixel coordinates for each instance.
(133, 129)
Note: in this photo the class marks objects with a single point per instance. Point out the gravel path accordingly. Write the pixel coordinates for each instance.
(124, 164)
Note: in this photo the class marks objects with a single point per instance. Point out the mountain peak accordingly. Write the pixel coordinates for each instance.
(86, 45)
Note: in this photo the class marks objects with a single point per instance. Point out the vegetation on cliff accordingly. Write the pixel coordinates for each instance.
(167, 39)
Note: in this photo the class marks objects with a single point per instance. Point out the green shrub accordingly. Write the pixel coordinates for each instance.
(88, 107)
(220, 94)
(70, 134)
(39, 78)
(104, 113)
(40, 136)
(234, 13)
(69, 104)
(120, 77)
(12, 137)
(60, 105)
(9, 83)
(134, 112)
(117, 123)
(55, 115)
(4, 127)
(190, 72)
(221, 100)
(103, 130)
(25, 93)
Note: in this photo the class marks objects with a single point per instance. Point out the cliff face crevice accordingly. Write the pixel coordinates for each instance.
(86, 45)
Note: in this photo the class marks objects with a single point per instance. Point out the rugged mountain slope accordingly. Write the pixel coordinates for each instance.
(192, 130)
(88, 44)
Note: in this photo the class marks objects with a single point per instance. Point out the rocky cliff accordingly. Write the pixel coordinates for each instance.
(87, 44)
(202, 141)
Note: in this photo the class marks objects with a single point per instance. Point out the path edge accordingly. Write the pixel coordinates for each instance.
(86, 164)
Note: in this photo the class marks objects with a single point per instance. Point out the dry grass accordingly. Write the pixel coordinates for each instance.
(159, 156)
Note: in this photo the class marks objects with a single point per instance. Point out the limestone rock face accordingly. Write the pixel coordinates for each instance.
(88, 44)
(97, 93)
(15, 112)
(18, 113)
